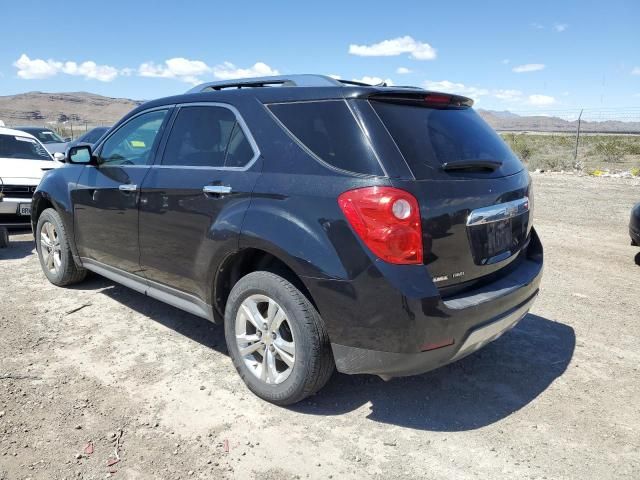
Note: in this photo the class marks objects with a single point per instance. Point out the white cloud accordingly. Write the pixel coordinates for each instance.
(635, 71)
(190, 71)
(541, 100)
(528, 67)
(453, 87)
(228, 70)
(104, 73)
(373, 80)
(178, 67)
(537, 26)
(560, 27)
(505, 61)
(507, 94)
(37, 69)
(396, 46)
(402, 70)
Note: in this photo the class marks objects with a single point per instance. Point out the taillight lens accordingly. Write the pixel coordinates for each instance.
(387, 220)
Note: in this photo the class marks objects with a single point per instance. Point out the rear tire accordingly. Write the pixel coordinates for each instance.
(268, 318)
(54, 251)
(4, 237)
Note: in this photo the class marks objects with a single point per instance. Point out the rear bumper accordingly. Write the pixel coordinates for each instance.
(401, 335)
(354, 360)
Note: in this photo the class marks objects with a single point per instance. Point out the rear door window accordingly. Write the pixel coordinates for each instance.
(430, 137)
(330, 131)
(207, 136)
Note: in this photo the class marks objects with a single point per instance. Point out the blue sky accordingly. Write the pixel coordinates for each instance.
(521, 56)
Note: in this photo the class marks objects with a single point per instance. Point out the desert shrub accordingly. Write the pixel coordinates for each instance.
(635, 171)
(554, 162)
(520, 145)
(612, 150)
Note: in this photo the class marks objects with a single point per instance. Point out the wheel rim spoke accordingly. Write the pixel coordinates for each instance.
(272, 372)
(285, 357)
(249, 349)
(49, 261)
(260, 325)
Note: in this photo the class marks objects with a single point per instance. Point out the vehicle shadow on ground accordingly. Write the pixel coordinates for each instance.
(17, 249)
(191, 326)
(476, 391)
(637, 259)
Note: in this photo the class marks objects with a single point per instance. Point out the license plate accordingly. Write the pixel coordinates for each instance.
(24, 209)
(499, 237)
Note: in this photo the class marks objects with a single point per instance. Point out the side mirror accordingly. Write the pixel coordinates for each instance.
(80, 154)
(59, 156)
(67, 139)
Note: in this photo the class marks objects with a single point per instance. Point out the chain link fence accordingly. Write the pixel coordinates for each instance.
(591, 140)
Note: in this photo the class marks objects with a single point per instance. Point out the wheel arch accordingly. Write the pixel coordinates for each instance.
(247, 260)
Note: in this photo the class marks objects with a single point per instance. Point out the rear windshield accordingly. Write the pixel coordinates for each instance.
(429, 137)
(24, 148)
(331, 132)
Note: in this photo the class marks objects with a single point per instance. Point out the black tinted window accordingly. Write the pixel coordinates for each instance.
(429, 137)
(329, 130)
(239, 150)
(199, 137)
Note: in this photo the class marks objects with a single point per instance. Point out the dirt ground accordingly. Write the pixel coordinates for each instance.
(98, 373)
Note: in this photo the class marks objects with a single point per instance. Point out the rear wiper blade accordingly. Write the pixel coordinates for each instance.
(474, 164)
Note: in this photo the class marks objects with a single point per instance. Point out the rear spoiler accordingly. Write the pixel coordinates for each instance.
(422, 97)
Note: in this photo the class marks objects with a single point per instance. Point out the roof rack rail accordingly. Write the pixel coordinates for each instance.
(303, 80)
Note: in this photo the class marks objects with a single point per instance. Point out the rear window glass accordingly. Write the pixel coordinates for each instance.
(330, 131)
(24, 148)
(429, 137)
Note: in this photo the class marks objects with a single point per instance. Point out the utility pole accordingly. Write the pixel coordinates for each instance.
(575, 154)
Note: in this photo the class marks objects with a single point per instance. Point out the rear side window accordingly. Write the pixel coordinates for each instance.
(331, 132)
(429, 137)
(207, 136)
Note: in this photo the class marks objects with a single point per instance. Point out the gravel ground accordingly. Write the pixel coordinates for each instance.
(99, 374)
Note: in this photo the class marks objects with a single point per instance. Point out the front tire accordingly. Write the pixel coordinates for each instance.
(276, 339)
(54, 251)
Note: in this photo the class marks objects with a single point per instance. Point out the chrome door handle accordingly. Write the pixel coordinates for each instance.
(217, 189)
(128, 188)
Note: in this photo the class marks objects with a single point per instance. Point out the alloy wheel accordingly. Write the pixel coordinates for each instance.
(50, 247)
(265, 339)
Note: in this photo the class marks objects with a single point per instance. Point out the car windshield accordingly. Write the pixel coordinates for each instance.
(24, 148)
(45, 136)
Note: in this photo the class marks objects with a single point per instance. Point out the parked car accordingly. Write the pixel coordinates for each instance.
(50, 139)
(634, 225)
(23, 161)
(328, 224)
(90, 138)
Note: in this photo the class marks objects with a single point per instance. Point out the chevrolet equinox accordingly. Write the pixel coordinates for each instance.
(328, 224)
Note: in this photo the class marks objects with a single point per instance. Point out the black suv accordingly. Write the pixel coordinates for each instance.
(381, 230)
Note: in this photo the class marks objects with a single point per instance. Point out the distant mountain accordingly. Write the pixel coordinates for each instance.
(499, 114)
(510, 122)
(39, 108)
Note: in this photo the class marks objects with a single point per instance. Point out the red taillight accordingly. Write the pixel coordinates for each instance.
(387, 220)
(437, 98)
